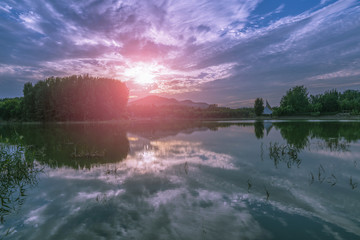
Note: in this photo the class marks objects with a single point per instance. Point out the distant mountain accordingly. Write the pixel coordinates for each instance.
(162, 101)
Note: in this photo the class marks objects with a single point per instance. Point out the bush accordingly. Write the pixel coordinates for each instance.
(315, 114)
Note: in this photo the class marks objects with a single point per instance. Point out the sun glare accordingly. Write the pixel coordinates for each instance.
(143, 74)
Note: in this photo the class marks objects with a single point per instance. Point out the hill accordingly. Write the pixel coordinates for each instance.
(153, 100)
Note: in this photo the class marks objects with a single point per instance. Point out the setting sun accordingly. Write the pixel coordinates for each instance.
(143, 74)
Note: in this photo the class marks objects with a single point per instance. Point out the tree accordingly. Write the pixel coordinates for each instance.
(29, 102)
(350, 100)
(75, 98)
(330, 101)
(295, 101)
(10, 108)
(259, 106)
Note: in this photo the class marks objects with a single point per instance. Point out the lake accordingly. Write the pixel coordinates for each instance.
(186, 180)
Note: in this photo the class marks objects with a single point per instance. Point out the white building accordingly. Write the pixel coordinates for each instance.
(267, 109)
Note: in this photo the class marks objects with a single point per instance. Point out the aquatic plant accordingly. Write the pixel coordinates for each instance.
(18, 171)
(284, 153)
(249, 184)
(353, 184)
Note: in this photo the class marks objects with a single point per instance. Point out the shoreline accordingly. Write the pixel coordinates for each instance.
(139, 120)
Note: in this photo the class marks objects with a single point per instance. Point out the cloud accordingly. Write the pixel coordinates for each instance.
(337, 74)
(31, 21)
(275, 46)
(5, 7)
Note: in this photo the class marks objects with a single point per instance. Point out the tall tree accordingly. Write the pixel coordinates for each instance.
(259, 106)
(29, 102)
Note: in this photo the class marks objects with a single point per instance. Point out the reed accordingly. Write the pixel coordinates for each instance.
(18, 172)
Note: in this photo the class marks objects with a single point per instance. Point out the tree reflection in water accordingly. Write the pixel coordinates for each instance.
(333, 137)
(161, 169)
(78, 146)
(259, 129)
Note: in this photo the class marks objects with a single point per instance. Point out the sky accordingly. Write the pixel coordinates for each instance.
(223, 52)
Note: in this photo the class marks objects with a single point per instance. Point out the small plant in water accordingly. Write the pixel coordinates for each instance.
(332, 180)
(352, 184)
(321, 173)
(267, 194)
(284, 153)
(186, 168)
(312, 178)
(249, 184)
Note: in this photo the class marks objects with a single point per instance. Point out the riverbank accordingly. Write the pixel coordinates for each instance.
(325, 117)
(139, 120)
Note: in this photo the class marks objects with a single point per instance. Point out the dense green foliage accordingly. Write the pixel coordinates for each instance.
(11, 108)
(297, 101)
(74, 98)
(259, 106)
(327, 102)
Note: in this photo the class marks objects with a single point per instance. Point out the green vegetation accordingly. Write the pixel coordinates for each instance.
(11, 108)
(259, 106)
(185, 112)
(86, 98)
(18, 171)
(74, 98)
(82, 98)
(295, 100)
(285, 153)
(298, 102)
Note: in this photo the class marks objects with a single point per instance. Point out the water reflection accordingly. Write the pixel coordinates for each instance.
(335, 134)
(18, 172)
(193, 181)
(296, 134)
(259, 129)
(82, 145)
(284, 153)
(300, 136)
(333, 145)
(73, 145)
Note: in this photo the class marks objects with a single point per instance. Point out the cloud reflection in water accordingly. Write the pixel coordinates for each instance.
(194, 186)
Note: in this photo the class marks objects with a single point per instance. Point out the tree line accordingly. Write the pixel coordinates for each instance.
(82, 97)
(74, 98)
(298, 101)
(186, 112)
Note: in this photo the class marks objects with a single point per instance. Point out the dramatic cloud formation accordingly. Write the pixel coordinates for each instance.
(227, 53)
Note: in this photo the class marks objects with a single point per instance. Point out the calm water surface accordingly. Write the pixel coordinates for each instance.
(246, 180)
